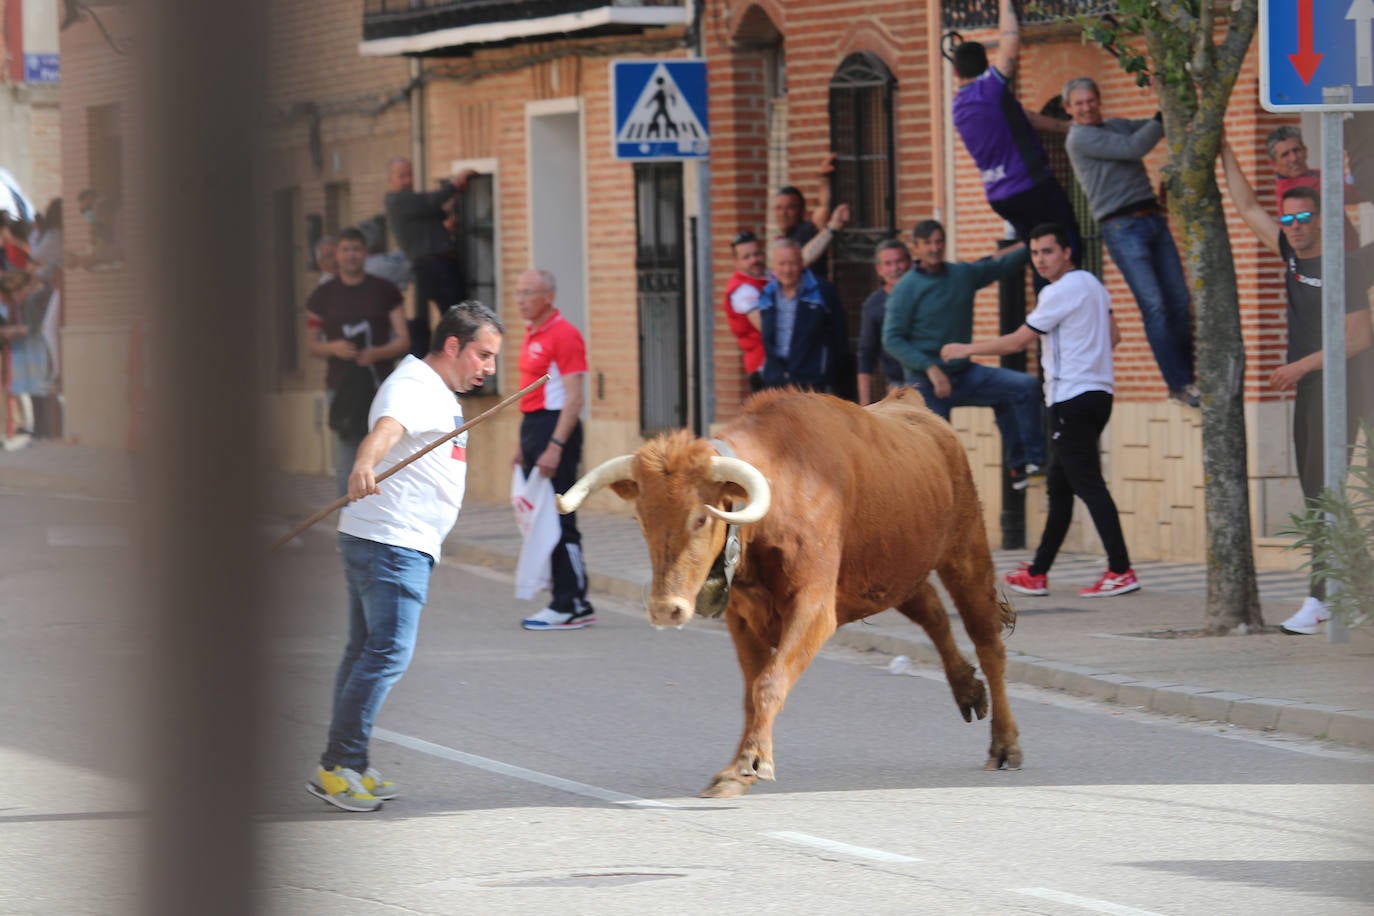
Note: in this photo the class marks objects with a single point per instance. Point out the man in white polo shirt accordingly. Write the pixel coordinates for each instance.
(390, 536)
(1074, 315)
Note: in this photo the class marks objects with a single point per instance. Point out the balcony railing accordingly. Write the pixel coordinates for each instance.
(465, 22)
(967, 15)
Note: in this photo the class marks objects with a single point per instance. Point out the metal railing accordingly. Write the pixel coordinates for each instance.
(398, 18)
(982, 14)
(522, 9)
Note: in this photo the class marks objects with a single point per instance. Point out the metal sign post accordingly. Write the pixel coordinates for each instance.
(1318, 55)
(1333, 316)
(660, 113)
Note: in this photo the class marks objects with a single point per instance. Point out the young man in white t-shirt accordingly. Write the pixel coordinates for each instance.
(390, 536)
(1074, 315)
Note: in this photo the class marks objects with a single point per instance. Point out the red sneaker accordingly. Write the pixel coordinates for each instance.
(1022, 581)
(1112, 584)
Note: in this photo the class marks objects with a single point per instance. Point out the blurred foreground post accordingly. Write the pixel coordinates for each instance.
(201, 65)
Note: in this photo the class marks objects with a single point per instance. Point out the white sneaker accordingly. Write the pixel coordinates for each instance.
(1309, 618)
(549, 619)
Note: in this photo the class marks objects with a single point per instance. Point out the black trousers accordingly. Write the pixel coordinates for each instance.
(1076, 470)
(568, 572)
(438, 278)
(1043, 203)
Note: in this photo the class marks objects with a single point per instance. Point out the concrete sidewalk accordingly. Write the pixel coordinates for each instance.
(1140, 650)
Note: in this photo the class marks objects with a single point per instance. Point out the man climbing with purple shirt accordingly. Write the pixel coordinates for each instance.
(1002, 137)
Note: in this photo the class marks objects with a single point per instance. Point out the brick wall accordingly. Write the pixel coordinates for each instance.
(99, 306)
(317, 82)
(1049, 58)
(815, 39)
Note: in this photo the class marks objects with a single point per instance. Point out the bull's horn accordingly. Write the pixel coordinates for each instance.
(733, 470)
(600, 476)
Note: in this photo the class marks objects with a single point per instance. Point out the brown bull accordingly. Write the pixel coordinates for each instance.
(865, 505)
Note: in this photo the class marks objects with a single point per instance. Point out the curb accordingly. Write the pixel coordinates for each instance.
(1342, 725)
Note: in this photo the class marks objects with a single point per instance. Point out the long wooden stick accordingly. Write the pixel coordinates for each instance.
(343, 500)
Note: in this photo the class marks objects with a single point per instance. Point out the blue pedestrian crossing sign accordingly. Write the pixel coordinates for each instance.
(1317, 55)
(660, 109)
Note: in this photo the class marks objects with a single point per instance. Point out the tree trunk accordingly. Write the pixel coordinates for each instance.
(1232, 595)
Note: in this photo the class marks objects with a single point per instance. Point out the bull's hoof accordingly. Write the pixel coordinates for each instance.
(765, 770)
(974, 701)
(725, 787)
(1008, 756)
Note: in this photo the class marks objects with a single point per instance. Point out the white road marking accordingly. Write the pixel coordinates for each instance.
(1086, 903)
(860, 852)
(87, 536)
(73, 497)
(507, 769)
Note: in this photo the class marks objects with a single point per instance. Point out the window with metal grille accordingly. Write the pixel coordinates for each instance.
(982, 14)
(289, 309)
(477, 229)
(476, 216)
(660, 270)
(861, 135)
(1058, 156)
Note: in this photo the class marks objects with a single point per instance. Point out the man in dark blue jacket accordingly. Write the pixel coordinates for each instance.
(805, 332)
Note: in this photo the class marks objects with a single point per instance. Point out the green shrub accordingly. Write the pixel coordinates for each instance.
(1337, 529)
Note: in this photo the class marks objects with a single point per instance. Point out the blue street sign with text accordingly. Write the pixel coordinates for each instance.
(660, 109)
(1316, 55)
(42, 68)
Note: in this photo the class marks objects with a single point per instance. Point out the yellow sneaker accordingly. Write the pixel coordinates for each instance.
(378, 785)
(342, 788)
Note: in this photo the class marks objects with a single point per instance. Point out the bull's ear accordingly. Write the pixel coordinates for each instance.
(627, 490)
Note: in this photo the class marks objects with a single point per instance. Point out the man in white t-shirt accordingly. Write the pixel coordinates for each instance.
(390, 537)
(1074, 315)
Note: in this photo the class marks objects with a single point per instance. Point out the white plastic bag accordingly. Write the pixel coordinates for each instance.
(537, 518)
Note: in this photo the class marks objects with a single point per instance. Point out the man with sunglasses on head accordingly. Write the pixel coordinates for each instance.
(1296, 236)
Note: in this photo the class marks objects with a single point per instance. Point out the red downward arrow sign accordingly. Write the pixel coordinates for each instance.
(1306, 61)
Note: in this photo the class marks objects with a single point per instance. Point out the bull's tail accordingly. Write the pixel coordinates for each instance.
(1008, 613)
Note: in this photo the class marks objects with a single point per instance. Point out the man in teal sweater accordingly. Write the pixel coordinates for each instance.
(932, 306)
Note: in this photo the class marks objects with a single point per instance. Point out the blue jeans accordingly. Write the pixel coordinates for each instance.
(1015, 401)
(386, 592)
(1144, 250)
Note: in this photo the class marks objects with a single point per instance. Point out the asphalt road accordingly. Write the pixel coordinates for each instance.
(556, 772)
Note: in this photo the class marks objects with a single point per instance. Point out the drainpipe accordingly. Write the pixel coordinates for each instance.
(1011, 309)
(417, 122)
(705, 342)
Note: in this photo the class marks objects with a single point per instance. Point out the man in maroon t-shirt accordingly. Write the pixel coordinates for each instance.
(357, 322)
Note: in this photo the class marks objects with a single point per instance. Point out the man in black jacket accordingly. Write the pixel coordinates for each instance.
(417, 222)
